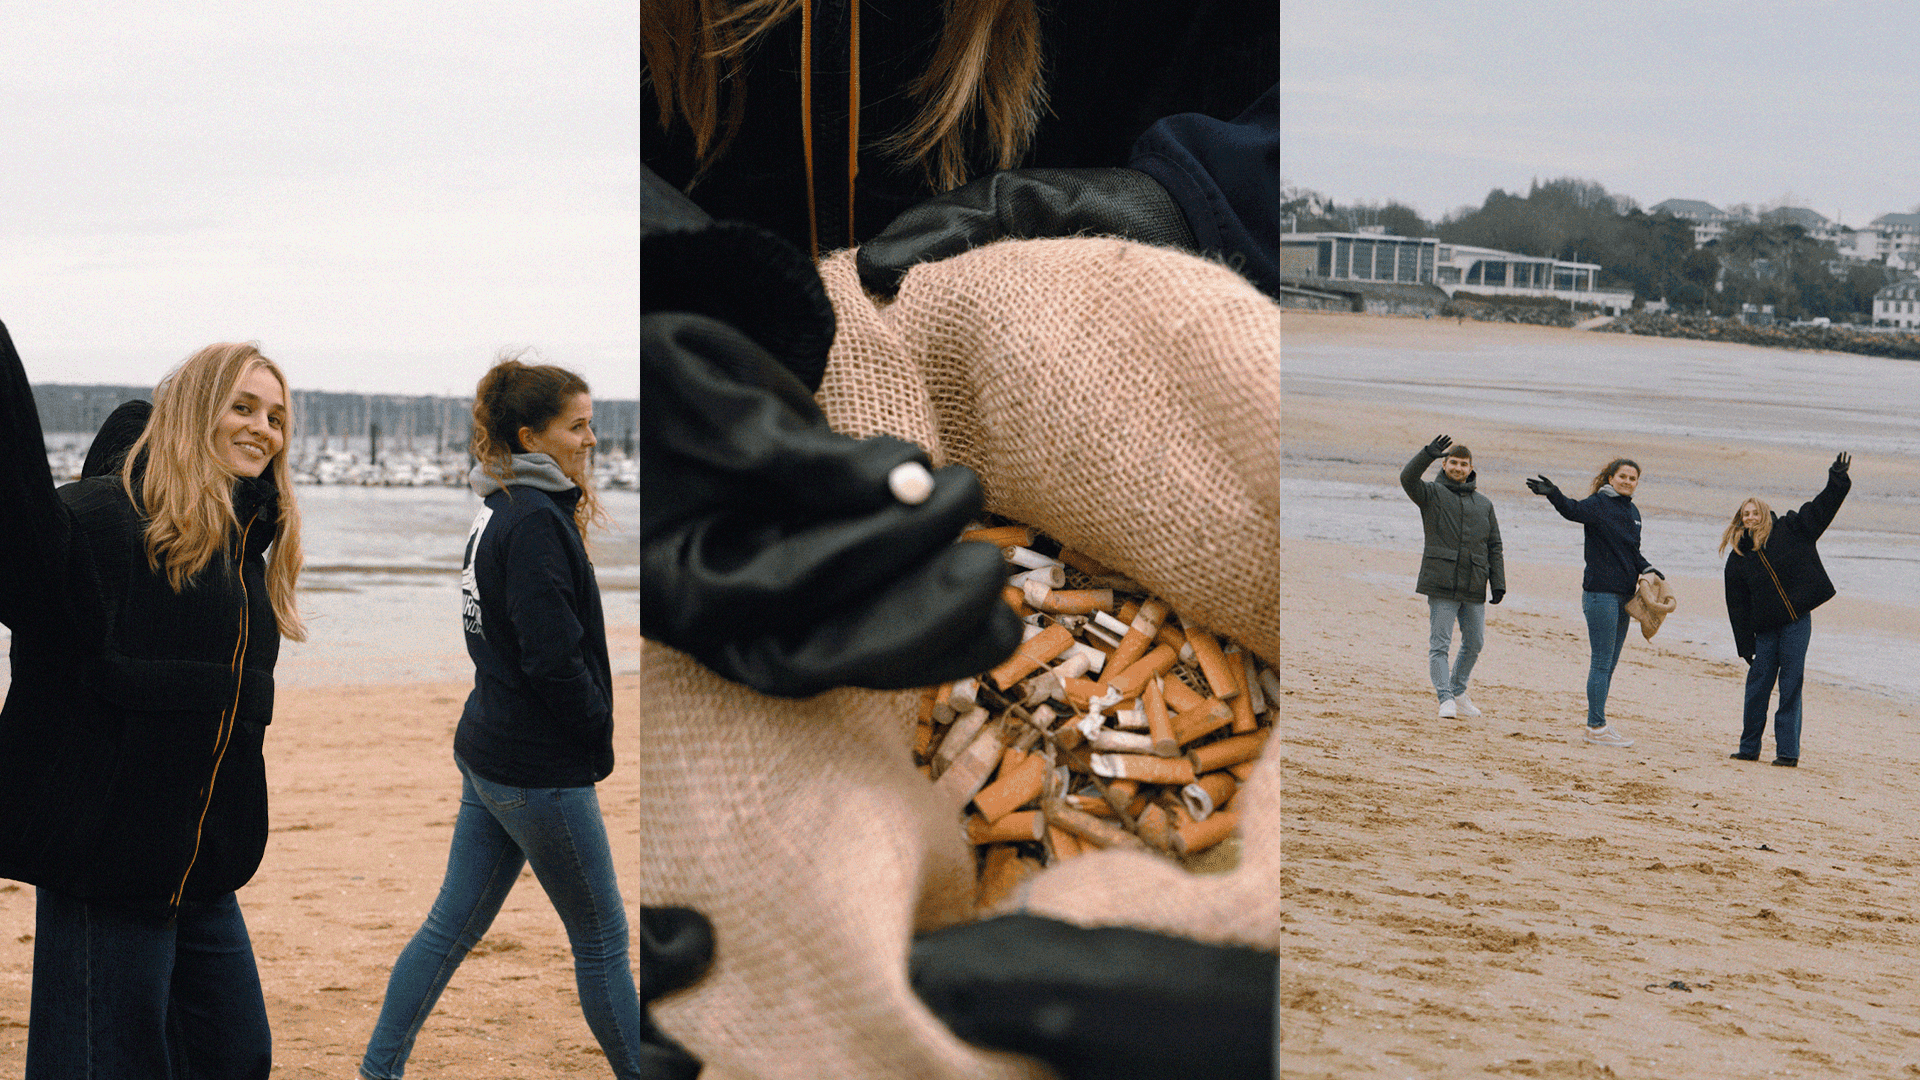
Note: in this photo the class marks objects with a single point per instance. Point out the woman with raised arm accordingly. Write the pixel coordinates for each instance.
(147, 602)
(1774, 581)
(537, 731)
(1613, 568)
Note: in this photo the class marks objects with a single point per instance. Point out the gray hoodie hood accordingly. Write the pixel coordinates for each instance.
(533, 470)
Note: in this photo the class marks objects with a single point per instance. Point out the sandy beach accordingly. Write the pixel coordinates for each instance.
(1490, 895)
(364, 793)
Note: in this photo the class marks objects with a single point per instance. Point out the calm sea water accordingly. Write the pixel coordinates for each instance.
(381, 592)
(1603, 383)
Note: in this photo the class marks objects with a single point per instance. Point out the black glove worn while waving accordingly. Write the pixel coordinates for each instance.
(1840, 462)
(772, 548)
(1540, 485)
(1438, 447)
(1023, 204)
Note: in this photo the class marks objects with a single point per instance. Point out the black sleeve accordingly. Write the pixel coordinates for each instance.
(37, 526)
(541, 606)
(1225, 177)
(1818, 513)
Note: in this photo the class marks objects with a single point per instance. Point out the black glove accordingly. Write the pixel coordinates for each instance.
(772, 548)
(1498, 595)
(1438, 447)
(1105, 1004)
(1841, 462)
(676, 946)
(1023, 204)
(1540, 485)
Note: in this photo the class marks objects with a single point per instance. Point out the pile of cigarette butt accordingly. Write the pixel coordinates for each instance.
(1113, 725)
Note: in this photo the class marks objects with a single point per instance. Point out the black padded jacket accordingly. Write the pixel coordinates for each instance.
(1780, 583)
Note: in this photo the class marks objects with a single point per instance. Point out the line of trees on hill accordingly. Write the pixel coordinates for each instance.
(1763, 262)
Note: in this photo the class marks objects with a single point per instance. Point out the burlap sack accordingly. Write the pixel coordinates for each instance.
(1125, 400)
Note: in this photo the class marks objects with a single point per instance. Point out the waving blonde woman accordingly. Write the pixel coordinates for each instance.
(147, 602)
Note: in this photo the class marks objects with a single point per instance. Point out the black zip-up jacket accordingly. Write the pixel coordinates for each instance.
(130, 742)
(1614, 562)
(1781, 582)
(1463, 555)
(541, 711)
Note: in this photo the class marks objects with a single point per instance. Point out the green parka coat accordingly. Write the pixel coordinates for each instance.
(1462, 557)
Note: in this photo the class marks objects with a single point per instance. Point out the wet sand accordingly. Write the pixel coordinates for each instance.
(1490, 895)
(364, 793)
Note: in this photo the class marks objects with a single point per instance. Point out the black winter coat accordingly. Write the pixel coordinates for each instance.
(1614, 562)
(130, 742)
(541, 711)
(1463, 555)
(1780, 583)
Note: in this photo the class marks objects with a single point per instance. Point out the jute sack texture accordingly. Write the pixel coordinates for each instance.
(1125, 400)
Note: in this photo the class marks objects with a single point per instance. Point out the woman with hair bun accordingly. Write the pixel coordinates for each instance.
(537, 731)
(147, 603)
(1614, 566)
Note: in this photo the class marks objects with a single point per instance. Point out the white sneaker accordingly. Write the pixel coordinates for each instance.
(1447, 711)
(1607, 736)
(1465, 705)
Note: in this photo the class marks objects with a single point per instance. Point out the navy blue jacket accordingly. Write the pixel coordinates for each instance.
(1769, 588)
(541, 710)
(1614, 562)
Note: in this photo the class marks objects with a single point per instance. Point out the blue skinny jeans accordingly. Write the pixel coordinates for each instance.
(119, 993)
(1607, 626)
(499, 830)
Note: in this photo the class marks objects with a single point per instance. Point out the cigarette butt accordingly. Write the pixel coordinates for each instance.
(1242, 772)
(1094, 659)
(1003, 535)
(1204, 719)
(1111, 625)
(1017, 601)
(1130, 716)
(1086, 827)
(1242, 702)
(1019, 826)
(1270, 682)
(1062, 843)
(1144, 768)
(1069, 601)
(1229, 751)
(1053, 577)
(1139, 636)
(1002, 874)
(925, 770)
(928, 697)
(1016, 786)
(1154, 827)
(1250, 683)
(1159, 722)
(1202, 835)
(1023, 556)
(922, 739)
(1180, 696)
(1042, 687)
(1170, 635)
(1124, 789)
(1032, 653)
(1208, 793)
(1110, 741)
(1213, 663)
(1131, 681)
(964, 778)
(1084, 563)
(957, 738)
(1091, 804)
(1081, 692)
(963, 695)
(1076, 662)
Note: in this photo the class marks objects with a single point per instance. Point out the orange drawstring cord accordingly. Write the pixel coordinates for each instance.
(806, 122)
(853, 118)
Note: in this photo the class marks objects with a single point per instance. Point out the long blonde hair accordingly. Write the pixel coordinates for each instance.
(984, 78)
(187, 492)
(513, 395)
(1731, 538)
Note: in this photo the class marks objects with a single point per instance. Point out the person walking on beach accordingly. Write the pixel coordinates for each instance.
(147, 602)
(1462, 561)
(1774, 581)
(1613, 568)
(537, 731)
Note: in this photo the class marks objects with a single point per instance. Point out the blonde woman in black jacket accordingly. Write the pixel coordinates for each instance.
(1774, 581)
(147, 603)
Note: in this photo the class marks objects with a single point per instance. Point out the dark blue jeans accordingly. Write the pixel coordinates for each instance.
(1607, 626)
(500, 829)
(119, 993)
(1778, 654)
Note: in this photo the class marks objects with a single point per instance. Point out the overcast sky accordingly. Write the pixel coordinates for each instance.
(383, 195)
(1434, 105)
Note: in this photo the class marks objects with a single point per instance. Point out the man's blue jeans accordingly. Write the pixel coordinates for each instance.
(1450, 680)
(120, 993)
(1778, 654)
(500, 829)
(1607, 626)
